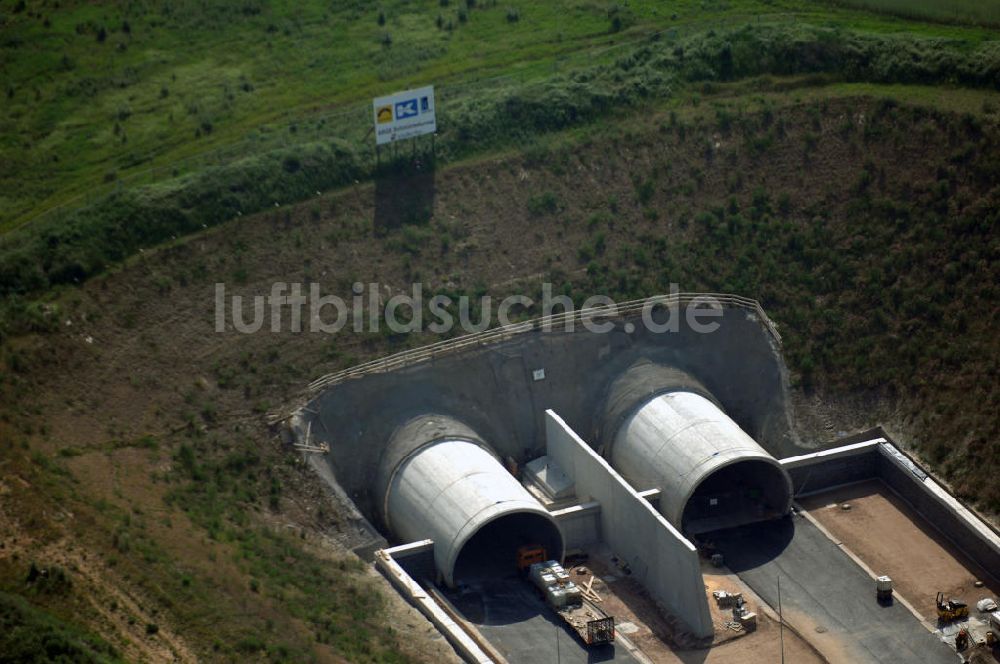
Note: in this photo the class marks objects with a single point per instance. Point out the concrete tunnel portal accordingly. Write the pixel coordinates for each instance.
(743, 492)
(440, 481)
(711, 474)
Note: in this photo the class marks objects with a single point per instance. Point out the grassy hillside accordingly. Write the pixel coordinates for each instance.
(837, 163)
(97, 93)
(100, 97)
(874, 253)
(70, 247)
(31, 635)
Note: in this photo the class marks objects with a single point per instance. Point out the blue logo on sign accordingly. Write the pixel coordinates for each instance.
(406, 109)
(424, 104)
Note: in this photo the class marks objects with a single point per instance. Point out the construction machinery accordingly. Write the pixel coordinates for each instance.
(591, 624)
(883, 589)
(962, 639)
(529, 555)
(993, 635)
(951, 610)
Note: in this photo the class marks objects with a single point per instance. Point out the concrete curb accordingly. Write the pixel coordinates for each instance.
(463, 643)
(632, 649)
(469, 628)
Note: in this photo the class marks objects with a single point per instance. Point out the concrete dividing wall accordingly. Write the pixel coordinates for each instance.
(661, 559)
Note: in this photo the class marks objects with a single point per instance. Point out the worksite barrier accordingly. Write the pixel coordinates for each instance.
(623, 311)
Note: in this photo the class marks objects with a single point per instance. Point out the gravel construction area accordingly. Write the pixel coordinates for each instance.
(652, 633)
(513, 617)
(893, 539)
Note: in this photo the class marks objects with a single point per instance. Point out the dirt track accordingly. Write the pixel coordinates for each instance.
(891, 538)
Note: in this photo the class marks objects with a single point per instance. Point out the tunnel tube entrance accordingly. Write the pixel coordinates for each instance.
(491, 553)
(740, 493)
(440, 481)
(711, 474)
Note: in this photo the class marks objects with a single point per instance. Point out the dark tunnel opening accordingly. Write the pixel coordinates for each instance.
(492, 552)
(741, 493)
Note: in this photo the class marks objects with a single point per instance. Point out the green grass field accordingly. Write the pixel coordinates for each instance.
(127, 127)
(100, 96)
(81, 112)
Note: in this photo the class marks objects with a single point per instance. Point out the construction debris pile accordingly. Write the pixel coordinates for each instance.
(555, 584)
(743, 617)
(591, 624)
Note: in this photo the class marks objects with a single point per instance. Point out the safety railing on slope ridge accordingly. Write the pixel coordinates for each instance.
(624, 310)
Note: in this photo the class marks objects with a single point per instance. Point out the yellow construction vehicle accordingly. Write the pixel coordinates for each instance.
(529, 555)
(951, 610)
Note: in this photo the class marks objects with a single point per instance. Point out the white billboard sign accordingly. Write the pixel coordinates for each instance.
(405, 115)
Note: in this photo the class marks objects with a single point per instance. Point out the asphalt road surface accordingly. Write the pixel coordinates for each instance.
(513, 617)
(826, 596)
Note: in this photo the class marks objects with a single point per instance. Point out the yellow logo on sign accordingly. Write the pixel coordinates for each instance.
(384, 114)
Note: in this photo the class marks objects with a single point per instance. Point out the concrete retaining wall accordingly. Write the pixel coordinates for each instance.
(879, 458)
(358, 535)
(661, 559)
(463, 643)
(819, 471)
(417, 559)
(580, 525)
(494, 391)
(956, 522)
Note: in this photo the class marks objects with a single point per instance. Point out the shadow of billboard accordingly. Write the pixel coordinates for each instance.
(404, 192)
